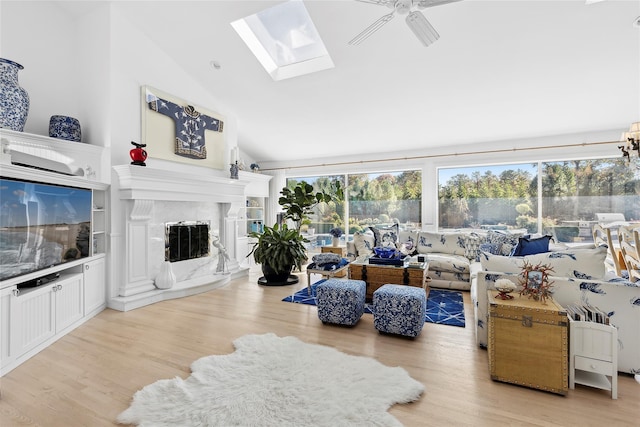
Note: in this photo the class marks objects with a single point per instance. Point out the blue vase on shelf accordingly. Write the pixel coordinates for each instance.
(65, 127)
(14, 100)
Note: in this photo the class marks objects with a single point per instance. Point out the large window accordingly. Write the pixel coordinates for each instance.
(565, 202)
(489, 196)
(384, 199)
(371, 199)
(326, 215)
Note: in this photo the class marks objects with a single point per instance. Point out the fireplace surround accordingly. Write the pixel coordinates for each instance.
(145, 199)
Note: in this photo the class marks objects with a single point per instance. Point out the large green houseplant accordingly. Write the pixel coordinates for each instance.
(280, 248)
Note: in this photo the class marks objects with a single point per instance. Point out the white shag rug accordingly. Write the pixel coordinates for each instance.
(274, 381)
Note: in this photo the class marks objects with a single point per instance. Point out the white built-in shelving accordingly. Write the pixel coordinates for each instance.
(33, 317)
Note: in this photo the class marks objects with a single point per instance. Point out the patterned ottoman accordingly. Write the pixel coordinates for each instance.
(340, 301)
(399, 309)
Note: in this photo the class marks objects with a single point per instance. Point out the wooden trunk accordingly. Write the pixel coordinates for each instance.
(376, 275)
(528, 343)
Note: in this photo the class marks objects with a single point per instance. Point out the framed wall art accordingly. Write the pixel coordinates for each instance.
(534, 280)
(176, 130)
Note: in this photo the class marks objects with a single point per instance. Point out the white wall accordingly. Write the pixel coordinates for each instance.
(42, 38)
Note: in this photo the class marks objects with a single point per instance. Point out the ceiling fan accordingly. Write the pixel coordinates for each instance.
(415, 19)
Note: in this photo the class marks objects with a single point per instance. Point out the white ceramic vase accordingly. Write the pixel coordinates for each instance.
(335, 241)
(165, 278)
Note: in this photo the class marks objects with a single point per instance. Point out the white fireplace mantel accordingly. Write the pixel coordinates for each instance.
(144, 183)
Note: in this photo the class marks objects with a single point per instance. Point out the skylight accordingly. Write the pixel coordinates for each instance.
(284, 40)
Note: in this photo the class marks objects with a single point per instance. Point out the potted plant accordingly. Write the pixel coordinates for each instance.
(335, 232)
(298, 203)
(280, 248)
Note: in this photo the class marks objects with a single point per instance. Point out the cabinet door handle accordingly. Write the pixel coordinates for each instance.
(86, 267)
(59, 287)
(16, 292)
(54, 288)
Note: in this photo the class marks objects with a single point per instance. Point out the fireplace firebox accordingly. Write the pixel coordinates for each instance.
(186, 240)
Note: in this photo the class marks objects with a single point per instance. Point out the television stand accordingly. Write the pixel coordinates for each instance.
(39, 281)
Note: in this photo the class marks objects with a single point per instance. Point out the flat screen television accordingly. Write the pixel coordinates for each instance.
(42, 225)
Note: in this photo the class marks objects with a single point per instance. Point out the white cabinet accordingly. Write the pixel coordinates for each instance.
(33, 318)
(8, 351)
(69, 301)
(95, 296)
(593, 356)
(42, 312)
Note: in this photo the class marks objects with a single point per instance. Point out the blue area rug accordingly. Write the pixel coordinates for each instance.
(444, 307)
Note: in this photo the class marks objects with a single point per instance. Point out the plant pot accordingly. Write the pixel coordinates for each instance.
(273, 278)
(335, 241)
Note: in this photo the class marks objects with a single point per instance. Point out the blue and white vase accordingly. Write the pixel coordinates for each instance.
(65, 127)
(14, 100)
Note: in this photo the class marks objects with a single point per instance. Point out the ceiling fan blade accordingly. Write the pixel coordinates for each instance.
(431, 3)
(388, 3)
(371, 29)
(422, 28)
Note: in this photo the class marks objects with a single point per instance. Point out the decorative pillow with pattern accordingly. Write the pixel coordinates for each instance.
(507, 241)
(448, 262)
(407, 242)
(365, 242)
(472, 243)
(447, 243)
(385, 237)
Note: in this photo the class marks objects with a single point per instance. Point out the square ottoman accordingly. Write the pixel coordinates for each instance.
(399, 309)
(340, 301)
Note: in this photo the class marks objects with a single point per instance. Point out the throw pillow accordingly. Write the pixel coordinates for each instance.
(508, 241)
(492, 248)
(529, 246)
(472, 243)
(364, 242)
(385, 237)
(407, 242)
(447, 243)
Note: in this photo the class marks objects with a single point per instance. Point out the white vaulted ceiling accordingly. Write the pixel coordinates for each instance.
(500, 70)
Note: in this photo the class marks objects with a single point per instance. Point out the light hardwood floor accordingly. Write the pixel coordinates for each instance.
(89, 376)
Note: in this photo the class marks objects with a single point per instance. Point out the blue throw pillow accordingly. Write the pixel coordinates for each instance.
(529, 246)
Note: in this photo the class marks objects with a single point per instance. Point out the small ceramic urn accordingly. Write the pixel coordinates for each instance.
(65, 127)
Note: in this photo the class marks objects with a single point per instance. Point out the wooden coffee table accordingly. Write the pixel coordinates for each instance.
(376, 275)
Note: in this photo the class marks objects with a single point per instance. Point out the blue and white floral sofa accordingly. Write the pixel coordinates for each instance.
(453, 256)
(579, 276)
